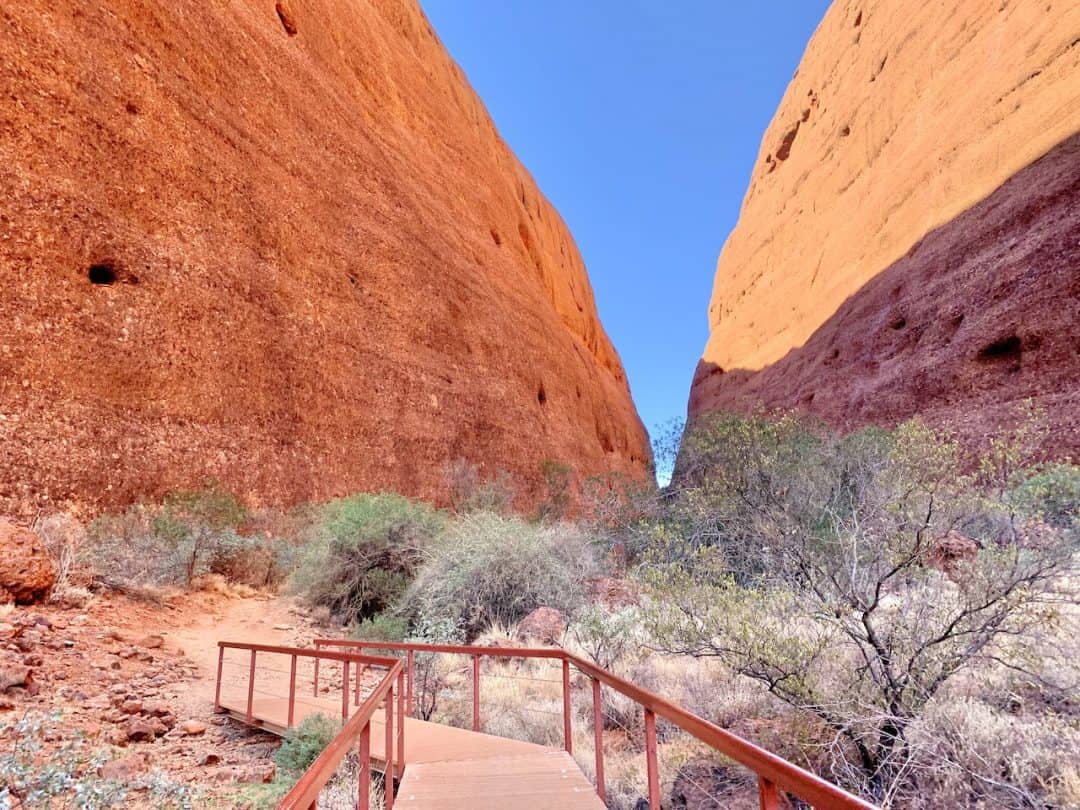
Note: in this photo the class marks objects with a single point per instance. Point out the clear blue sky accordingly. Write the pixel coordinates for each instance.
(641, 122)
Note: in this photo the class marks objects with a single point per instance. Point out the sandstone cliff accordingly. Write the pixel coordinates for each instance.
(897, 251)
(283, 248)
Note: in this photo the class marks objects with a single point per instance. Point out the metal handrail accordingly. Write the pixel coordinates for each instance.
(356, 729)
(775, 774)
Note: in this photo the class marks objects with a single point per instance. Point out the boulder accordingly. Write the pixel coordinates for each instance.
(545, 624)
(125, 768)
(27, 574)
(193, 728)
(952, 550)
(13, 675)
(252, 772)
(139, 730)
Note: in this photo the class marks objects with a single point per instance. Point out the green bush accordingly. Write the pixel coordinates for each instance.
(1051, 494)
(304, 743)
(363, 551)
(385, 626)
(489, 569)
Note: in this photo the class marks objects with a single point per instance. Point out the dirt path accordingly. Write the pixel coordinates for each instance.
(259, 620)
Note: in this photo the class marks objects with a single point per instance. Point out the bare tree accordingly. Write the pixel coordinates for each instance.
(855, 576)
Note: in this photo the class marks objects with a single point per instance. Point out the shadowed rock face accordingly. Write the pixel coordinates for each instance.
(282, 247)
(901, 118)
(981, 314)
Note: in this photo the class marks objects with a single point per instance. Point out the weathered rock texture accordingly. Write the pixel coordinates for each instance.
(281, 247)
(897, 252)
(27, 573)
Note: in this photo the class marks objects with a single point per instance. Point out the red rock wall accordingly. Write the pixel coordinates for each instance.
(870, 204)
(978, 317)
(328, 272)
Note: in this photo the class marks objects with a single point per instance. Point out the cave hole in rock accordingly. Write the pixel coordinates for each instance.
(898, 323)
(496, 237)
(541, 395)
(288, 22)
(1006, 348)
(102, 273)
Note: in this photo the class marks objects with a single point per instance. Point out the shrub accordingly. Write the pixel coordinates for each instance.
(363, 551)
(385, 626)
(190, 534)
(809, 562)
(606, 637)
(558, 478)
(304, 743)
(488, 569)
(469, 492)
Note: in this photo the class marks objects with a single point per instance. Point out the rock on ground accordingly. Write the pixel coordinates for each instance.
(545, 624)
(27, 574)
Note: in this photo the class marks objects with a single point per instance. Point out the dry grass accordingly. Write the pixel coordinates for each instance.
(217, 583)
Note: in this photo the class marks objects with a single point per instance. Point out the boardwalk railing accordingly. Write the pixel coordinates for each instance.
(776, 776)
(356, 730)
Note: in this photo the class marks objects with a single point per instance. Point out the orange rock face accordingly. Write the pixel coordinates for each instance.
(844, 285)
(282, 247)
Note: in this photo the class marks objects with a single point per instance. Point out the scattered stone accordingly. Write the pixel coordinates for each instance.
(139, 730)
(209, 758)
(193, 728)
(252, 772)
(150, 642)
(125, 768)
(157, 709)
(27, 574)
(283, 627)
(131, 707)
(12, 675)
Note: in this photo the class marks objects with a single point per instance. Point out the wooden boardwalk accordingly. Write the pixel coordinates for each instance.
(548, 780)
(448, 768)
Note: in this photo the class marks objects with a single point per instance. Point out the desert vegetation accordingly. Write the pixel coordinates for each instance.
(884, 607)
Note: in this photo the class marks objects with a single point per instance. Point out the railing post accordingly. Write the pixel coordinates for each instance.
(650, 760)
(598, 739)
(364, 752)
(217, 689)
(292, 691)
(315, 680)
(567, 731)
(359, 671)
(770, 796)
(476, 692)
(251, 686)
(344, 691)
(411, 664)
(388, 774)
(401, 719)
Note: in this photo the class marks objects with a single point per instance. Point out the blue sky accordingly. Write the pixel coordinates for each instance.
(641, 122)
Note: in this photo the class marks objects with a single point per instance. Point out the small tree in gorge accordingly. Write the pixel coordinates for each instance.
(815, 565)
